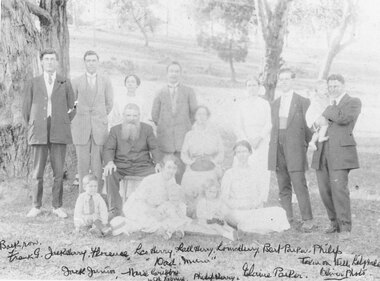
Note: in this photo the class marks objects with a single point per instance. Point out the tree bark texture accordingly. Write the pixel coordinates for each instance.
(18, 63)
(56, 34)
(273, 24)
(231, 62)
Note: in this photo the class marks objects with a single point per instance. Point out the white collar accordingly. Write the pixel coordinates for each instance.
(287, 95)
(89, 75)
(46, 75)
(338, 99)
(173, 85)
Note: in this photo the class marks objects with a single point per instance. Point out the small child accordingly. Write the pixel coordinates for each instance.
(90, 209)
(173, 213)
(210, 212)
(314, 118)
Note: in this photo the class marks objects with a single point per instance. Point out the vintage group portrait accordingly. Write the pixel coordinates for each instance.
(189, 140)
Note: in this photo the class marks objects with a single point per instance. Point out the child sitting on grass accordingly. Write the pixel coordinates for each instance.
(173, 213)
(91, 212)
(210, 213)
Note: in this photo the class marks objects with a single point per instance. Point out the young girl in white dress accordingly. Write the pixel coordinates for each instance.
(314, 119)
(210, 214)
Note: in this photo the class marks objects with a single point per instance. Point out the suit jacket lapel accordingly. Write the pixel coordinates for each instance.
(292, 109)
(42, 84)
(57, 83)
(343, 100)
(276, 110)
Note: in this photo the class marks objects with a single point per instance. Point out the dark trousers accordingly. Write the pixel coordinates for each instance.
(334, 192)
(115, 203)
(181, 166)
(57, 153)
(286, 180)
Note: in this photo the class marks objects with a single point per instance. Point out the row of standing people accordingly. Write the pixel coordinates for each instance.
(49, 107)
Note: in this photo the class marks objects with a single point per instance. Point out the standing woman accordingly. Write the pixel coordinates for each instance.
(254, 125)
(131, 82)
(242, 199)
(203, 154)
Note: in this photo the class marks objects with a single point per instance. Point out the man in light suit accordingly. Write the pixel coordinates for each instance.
(337, 156)
(287, 148)
(130, 150)
(94, 96)
(173, 112)
(48, 108)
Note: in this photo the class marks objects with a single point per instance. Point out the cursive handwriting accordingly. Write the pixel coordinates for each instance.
(192, 261)
(193, 249)
(212, 276)
(96, 252)
(4, 245)
(240, 248)
(15, 255)
(331, 274)
(64, 252)
(249, 271)
(89, 270)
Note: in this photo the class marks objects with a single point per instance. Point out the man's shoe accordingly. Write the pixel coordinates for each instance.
(344, 236)
(60, 213)
(34, 212)
(307, 226)
(332, 229)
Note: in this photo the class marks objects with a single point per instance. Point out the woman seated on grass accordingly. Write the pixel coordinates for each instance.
(147, 208)
(241, 198)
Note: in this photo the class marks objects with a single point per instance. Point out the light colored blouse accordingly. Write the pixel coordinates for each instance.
(253, 119)
(202, 142)
(240, 189)
(82, 208)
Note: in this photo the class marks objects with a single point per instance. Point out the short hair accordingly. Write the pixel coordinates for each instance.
(205, 108)
(131, 106)
(89, 178)
(287, 70)
(138, 81)
(337, 77)
(242, 143)
(90, 53)
(174, 63)
(170, 157)
(49, 51)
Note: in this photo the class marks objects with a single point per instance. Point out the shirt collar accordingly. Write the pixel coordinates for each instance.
(173, 85)
(287, 95)
(46, 75)
(89, 75)
(338, 99)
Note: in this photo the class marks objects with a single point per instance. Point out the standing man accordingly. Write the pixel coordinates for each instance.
(48, 108)
(287, 148)
(94, 95)
(337, 156)
(173, 111)
(130, 150)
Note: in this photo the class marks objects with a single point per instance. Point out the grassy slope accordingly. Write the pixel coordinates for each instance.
(214, 90)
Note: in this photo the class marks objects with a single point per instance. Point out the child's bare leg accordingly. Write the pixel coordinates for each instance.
(322, 133)
(312, 143)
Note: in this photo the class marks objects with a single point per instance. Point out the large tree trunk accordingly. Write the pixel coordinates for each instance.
(141, 28)
(18, 62)
(56, 35)
(273, 26)
(335, 43)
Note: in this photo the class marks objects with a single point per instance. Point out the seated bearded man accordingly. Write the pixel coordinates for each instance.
(130, 150)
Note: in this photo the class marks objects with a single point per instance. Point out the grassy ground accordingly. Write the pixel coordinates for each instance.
(209, 76)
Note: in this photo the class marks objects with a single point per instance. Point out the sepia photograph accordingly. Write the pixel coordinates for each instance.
(170, 140)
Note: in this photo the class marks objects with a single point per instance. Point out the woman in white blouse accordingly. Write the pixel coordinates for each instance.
(241, 196)
(131, 82)
(253, 124)
(203, 154)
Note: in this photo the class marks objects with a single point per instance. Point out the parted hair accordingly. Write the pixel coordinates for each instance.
(337, 77)
(138, 80)
(49, 51)
(89, 178)
(90, 53)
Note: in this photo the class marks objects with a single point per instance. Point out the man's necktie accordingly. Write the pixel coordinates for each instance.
(50, 80)
(91, 205)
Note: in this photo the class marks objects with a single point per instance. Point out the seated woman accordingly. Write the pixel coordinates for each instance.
(142, 209)
(241, 197)
(203, 153)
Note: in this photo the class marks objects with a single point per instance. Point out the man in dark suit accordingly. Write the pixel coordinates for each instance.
(337, 156)
(173, 112)
(48, 110)
(130, 150)
(287, 148)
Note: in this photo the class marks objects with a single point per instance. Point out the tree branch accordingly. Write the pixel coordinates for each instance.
(39, 12)
(263, 20)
